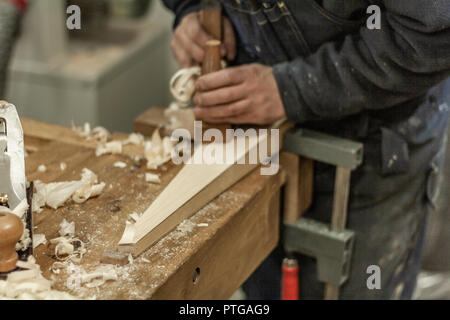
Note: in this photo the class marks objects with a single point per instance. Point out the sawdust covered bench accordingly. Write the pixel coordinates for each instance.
(208, 256)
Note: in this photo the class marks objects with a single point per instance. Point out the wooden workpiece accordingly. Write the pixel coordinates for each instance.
(208, 256)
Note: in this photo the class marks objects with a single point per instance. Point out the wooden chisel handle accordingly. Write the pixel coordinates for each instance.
(211, 62)
(211, 18)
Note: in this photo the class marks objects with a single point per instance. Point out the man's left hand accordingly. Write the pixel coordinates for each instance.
(244, 94)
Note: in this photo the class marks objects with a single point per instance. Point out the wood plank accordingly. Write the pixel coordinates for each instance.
(298, 191)
(291, 163)
(340, 199)
(193, 187)
(151, 119)
(339, 216)
(53, 132)
(306, 184)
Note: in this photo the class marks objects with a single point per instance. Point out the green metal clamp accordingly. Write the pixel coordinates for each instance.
(331, 244)
(332, 249)
(324, 148)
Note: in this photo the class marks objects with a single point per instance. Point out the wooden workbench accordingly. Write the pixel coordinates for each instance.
(242, 223)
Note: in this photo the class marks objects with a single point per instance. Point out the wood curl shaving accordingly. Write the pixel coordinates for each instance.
(182, 85)
(55, 194)
(157, 150)
(29, 284)
(68, 247)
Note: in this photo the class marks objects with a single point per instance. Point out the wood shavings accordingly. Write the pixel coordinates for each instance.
(99, 134)
(30, 284)
(65, 249)
(55, 194)
(120, 164)
(134, 138)
(38, 239)
(99, 276)
(84, 131)
(87, 192)
(186, 226)
(113, 147)
(63, 166)
(67, 228)
(202, 225)
(130, 259)
(25, 240)
(158, 151)
(23, 275)
(153, 178)
(67, 246)
(128, 234)
(42, 168)
(182, 85)
(145, 260)
(57, 266)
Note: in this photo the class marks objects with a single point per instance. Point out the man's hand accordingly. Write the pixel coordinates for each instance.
(190, 37)
(244, 94)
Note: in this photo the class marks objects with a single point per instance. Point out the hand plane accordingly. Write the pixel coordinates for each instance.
(13, 190)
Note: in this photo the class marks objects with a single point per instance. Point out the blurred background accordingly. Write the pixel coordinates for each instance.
(114, 68)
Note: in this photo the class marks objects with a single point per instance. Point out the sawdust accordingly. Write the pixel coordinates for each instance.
(30, 285)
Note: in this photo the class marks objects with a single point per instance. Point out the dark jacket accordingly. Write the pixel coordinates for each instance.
(381, 87)
(336, 75)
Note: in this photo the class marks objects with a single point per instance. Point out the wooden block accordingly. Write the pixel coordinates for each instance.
(339, 216)
(340, 199)
(298, 191)
(291, 165)
(150, 120)
(306, 184)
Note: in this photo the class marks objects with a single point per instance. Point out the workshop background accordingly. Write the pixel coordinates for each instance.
(117, 66)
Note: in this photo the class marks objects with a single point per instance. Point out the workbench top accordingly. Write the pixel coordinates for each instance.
(225, 241)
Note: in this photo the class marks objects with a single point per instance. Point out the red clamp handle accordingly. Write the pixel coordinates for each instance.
(289, 281)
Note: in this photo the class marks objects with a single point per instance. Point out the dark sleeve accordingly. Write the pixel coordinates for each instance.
(373, 69)
(181, 8)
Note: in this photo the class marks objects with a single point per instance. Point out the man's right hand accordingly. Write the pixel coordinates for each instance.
(190, 37)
